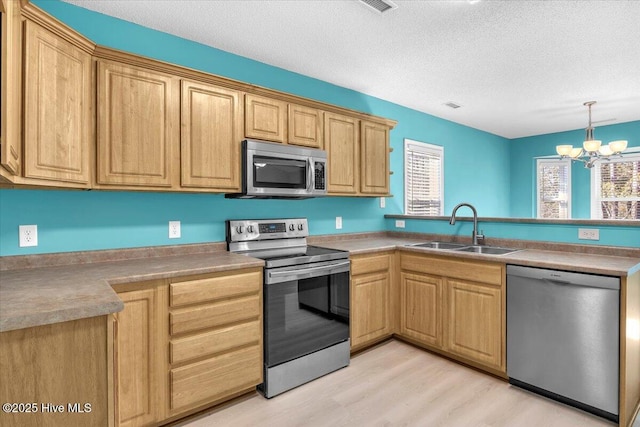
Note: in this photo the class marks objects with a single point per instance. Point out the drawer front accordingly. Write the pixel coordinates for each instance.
(217, 341)
(215, 378)
(369, 264)
(214, 315)
(484, 272)
(213, 288)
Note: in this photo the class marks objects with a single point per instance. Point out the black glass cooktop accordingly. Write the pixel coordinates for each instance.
(281, 257)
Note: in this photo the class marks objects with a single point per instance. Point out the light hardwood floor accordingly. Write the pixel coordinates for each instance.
(395, 384)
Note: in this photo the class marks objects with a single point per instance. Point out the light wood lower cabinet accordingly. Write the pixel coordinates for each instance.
(456, 307)
(371, 307)
(181, 345)
(62, 366)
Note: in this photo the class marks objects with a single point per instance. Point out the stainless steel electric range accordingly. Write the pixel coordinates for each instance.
(306, 301)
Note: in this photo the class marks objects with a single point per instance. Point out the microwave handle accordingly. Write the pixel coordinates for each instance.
(311, 185)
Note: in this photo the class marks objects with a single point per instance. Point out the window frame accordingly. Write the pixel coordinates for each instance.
(596, 184)
(428, 148)
(554, 161)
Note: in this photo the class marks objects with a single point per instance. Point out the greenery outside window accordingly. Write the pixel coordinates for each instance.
(423, 178)
(615, 188)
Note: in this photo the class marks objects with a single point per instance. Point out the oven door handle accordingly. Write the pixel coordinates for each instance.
(306, 273)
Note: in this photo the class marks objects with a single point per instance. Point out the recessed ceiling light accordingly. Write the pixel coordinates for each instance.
(380, 6)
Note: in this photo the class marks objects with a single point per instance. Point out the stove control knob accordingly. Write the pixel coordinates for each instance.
(250, 229)
(300, 227)
(292, 227)
(239, 229)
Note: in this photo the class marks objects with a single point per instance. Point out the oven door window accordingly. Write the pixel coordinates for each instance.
(270, 172)
(303, 316)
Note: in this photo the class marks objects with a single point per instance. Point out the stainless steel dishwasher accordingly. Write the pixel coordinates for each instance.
(563, 337)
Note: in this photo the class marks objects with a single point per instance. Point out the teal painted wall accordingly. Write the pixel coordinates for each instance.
(86, 220)
(523, 166)
(566, 233)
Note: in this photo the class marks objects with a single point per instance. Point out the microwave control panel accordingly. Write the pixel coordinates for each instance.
(319, 181)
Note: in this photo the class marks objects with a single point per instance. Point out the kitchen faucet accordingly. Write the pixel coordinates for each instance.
(475, 236)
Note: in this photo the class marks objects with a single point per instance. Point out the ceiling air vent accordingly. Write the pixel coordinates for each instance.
(380, 6)
(452, 105)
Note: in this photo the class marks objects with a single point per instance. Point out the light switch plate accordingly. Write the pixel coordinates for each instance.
(338, 223)
(28, 235)
(174, 229)
(399, 223)
(383, 202)
(589, 233)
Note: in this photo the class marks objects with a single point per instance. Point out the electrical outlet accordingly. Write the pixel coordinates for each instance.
(174, 229)
(383, 202)
(338, 223)
(28, 235)
(589, 233)
(399, 223)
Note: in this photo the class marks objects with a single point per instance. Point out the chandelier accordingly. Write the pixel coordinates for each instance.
(592, 149)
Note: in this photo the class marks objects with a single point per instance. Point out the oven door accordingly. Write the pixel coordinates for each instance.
(306, 309)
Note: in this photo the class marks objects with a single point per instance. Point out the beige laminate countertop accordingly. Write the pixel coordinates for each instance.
(579, 262)
(41, 296)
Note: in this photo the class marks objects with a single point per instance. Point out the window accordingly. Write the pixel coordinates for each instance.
(423, 178)
(615, 188)
(554, 188)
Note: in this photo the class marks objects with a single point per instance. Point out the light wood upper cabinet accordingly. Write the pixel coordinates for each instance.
(138, 137)
(211, 132)
(265, 118)
(474, 319)
(58, 108)
(137, 344)
(421, 308)
(371, 308)
(341, 143)
(11, 83)
(305, 126)
(374, 158)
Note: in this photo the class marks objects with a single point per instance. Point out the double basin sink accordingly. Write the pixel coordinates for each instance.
(459, 247)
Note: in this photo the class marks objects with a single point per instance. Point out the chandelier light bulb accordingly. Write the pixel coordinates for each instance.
(564, 150)
(618, 146)
(592, 145)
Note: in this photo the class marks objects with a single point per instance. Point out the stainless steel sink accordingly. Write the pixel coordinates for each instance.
(489, 250)
(440, 245)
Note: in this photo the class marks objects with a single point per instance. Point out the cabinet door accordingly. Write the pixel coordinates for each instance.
(211, 126)
(10, 93)
(57, 131)
(474, 322)
(135, 354)
(265, 119)
(137, 133)
(305, 126)
(421, 308)
(374, 158)
(370, 318)
(341, 144)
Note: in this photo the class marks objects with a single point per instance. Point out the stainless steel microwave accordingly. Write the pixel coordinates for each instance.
(273, 170)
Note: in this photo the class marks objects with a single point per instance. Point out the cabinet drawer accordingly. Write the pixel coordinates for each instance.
(219, 340)
(213, 315)
(484, 272)
(215, 378)
(370, 264)
(212, 288)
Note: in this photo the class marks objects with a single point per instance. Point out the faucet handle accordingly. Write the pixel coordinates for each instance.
(480, 236)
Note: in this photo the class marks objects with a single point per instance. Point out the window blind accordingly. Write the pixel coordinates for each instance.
(554, 188)
(423, 165)
(616, 190)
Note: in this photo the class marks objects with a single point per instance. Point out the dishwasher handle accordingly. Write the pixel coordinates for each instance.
(565, 277)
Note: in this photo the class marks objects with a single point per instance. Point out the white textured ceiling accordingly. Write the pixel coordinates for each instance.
(518, 68)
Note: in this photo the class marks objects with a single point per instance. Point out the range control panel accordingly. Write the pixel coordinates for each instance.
(265, 229)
